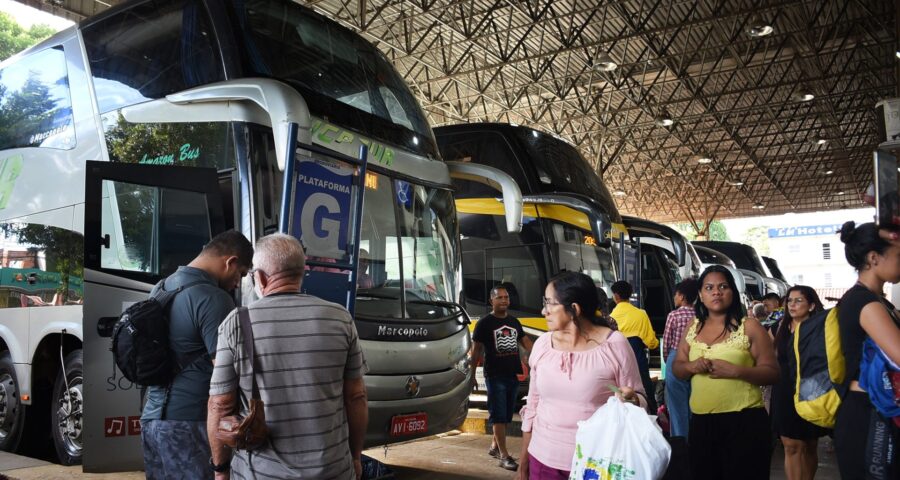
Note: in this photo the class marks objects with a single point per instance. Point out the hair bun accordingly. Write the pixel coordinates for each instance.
(847, 230)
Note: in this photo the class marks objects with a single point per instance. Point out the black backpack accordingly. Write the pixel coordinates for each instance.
(140, 340)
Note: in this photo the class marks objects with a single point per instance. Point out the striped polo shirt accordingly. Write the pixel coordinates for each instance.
(306, 348)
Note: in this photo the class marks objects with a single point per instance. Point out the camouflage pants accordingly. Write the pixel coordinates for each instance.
(175, 449)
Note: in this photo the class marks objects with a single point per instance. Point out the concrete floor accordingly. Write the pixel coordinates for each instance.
(457, 456)
(451, 456)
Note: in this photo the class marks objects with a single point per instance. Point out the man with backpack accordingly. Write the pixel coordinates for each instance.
(173, 423)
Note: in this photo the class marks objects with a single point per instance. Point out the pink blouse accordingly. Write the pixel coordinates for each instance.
(567, 387)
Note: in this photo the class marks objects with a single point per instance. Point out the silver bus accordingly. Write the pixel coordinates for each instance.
(129, 140)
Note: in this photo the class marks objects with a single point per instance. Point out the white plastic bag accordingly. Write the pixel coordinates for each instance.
(619, 442)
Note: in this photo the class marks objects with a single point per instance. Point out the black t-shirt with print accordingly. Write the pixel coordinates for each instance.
(500, 337)
(852, 333)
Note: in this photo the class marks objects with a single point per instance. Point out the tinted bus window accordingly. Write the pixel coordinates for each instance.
(484, 148)
(713, 257)
(154, 49)
(40, 266)
(577, 251)
(35, 103)
(495, 257)
(379, 295)
(151, 229)
(428, 246)
(314, 55)
(561, 168)
(186, 144)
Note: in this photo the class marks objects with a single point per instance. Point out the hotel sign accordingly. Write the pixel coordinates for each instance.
(805, 231)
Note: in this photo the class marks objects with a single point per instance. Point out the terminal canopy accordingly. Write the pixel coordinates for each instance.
(704, 107)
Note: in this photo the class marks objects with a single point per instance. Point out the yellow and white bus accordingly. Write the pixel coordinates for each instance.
(570, 221)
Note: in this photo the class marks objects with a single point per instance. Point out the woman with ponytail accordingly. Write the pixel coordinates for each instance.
(573, 366)
(799, 437)
(726, 357)
(865, 442)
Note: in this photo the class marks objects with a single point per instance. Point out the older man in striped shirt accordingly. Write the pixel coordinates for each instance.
(310, 376)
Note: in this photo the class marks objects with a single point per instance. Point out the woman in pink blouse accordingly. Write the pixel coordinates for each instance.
(573, 367)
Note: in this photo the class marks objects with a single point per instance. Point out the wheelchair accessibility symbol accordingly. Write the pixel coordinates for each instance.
(403, 194)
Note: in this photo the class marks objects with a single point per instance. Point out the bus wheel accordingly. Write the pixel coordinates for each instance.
(68, 410)
(12, 413)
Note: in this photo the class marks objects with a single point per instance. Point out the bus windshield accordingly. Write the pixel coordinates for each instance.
(577, 251)
(297, 46)
(410, 251)
(561, 168)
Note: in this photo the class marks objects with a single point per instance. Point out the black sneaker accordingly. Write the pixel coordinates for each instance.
(494, 452)
(509, 463)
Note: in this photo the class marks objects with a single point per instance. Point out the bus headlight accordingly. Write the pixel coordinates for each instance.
(462, 365)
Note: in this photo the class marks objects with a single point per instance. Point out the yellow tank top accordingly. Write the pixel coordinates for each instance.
(720, 395)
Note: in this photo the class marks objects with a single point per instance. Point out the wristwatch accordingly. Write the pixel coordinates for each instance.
(220, 468)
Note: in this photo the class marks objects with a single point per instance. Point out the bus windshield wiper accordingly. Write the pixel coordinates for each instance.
(437, 303)
(376, 295)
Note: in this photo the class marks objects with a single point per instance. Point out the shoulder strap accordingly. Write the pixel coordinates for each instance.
(247, 335)
(165, 297)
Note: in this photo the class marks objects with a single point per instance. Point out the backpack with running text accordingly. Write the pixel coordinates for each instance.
(140, 340)
(821, 368)
(880, 378)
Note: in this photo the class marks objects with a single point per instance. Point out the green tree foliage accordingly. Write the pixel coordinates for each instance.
(63, 252)
(185, 144)
(24, 111)
(758, 238)
(717, 231)
(14, 38)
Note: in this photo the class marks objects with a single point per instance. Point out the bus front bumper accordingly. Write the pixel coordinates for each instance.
(442, 413)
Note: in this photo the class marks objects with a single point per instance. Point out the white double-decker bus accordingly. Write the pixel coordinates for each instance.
(129, 140)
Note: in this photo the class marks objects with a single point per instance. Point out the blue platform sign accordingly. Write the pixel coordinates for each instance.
(323, 205)
(804, 231)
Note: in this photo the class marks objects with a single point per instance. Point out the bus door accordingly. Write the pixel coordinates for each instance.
(663, 252)
(631, 267)
(322, 206)
(140, 223)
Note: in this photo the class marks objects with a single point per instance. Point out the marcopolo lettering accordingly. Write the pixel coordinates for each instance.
(409, 332)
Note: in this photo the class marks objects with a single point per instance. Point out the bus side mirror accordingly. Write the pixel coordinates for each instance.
(497, 179)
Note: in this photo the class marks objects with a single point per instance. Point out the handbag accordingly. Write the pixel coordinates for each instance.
(250, 432)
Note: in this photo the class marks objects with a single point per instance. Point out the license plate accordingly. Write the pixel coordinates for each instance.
(402, 425)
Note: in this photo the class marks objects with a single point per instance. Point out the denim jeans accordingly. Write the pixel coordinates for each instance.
(175, 449)
(678, 395)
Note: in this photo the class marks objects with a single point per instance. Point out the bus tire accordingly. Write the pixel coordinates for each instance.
(12, 412)
(67, 410)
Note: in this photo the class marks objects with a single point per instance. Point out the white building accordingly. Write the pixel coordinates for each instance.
(813, 255)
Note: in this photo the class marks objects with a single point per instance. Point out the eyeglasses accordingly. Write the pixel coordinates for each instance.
(547, 303)
(253, 277)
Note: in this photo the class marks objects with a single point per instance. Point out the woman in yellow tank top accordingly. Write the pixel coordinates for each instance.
(727, 357)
